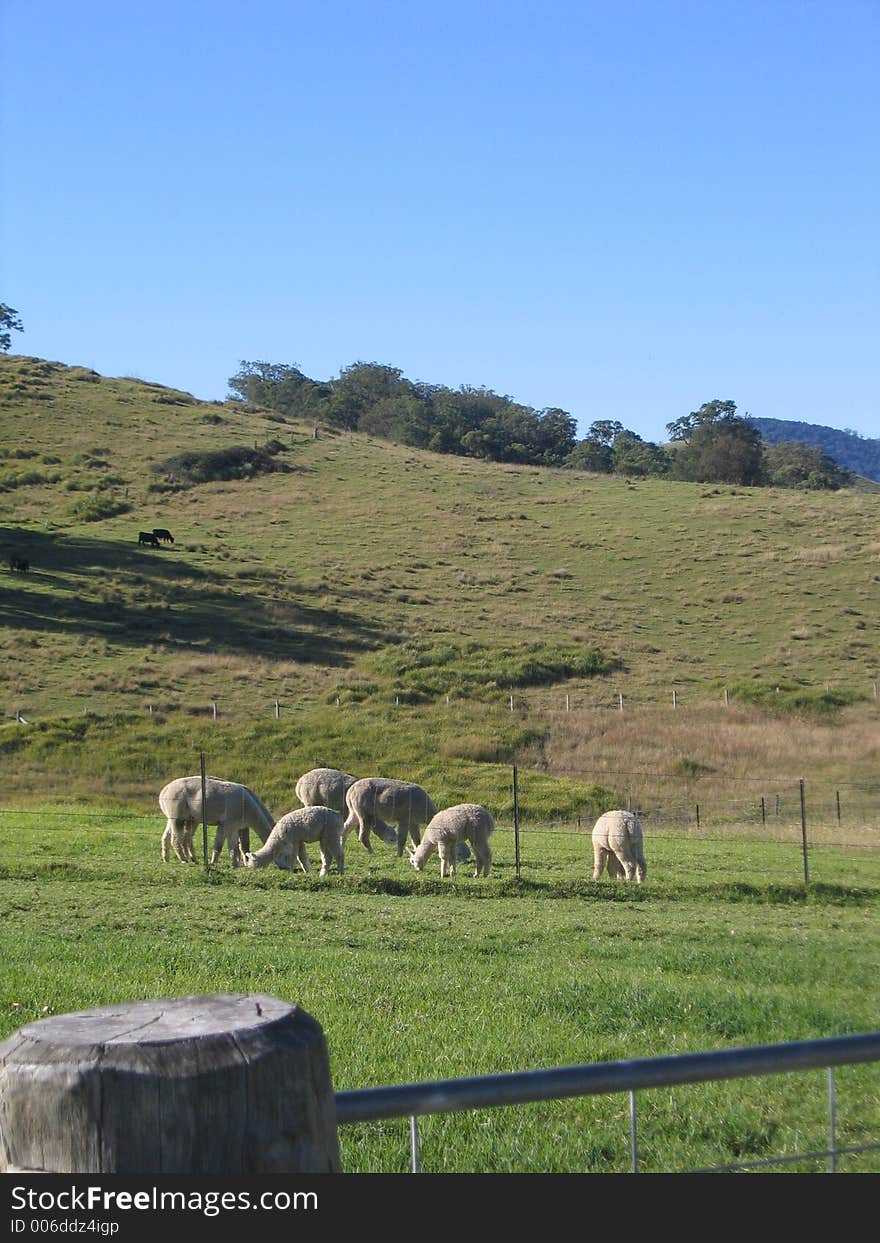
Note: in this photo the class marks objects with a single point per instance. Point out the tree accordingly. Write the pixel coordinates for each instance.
(729, 451)
(711, 414)
(9, 323)
(793, 465)
(631, 455)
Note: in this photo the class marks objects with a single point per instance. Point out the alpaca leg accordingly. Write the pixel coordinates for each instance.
(487, 861)
(219, 839)
(190, 833)
(178, 839)
(599, 856)
(444, 859)
(166, 840)
(233, 845)
(627, 866)
(615, 869)
(303, 856)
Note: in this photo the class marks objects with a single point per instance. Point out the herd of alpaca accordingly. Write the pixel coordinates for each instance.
(334, 803)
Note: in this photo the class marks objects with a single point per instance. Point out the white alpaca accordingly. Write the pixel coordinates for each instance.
(617, 843)
(374, 801)
(231, 807)
(324, 787)
(286, 844)
(327, 787)
(451, 828)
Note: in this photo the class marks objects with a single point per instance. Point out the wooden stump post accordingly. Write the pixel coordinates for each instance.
(234, 1084)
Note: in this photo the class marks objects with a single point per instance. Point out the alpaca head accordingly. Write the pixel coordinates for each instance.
(418, 863)
(249, 861)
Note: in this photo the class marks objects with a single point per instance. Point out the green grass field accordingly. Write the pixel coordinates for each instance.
(416, 979)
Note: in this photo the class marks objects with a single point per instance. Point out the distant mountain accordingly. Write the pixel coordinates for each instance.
(860, 454)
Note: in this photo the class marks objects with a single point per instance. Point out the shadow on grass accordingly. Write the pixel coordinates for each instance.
(208, 612)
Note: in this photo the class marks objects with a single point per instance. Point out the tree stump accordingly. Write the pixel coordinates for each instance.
(215, 1084)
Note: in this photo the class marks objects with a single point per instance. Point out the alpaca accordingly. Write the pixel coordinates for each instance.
(231, 807)
(373, 801)
(324, 787)
(617, 843)
(450, 829)
(285, 845)
(327, 787)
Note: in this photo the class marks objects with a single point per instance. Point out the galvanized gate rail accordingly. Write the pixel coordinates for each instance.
(524, 1087)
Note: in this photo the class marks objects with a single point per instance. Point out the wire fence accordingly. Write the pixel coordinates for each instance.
(416, 1100)
(742, 830)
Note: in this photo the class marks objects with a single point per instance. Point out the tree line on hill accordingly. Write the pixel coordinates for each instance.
(711, 445)
(860, 454)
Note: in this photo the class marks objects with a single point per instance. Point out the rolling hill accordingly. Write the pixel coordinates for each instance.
(860, 454)
(332, 569)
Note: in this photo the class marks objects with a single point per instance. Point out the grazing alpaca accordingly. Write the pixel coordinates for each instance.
(327, 787)
(374, 801)
(617, 843)
(232, 807)
(448, 831)
(286, 844)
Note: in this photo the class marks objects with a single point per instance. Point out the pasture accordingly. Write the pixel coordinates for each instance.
(415, 979)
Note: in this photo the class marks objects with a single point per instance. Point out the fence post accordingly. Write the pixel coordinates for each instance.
(763, 811)
(214, 708)
(698, 815)
(620, 700)
(675, 699)
(804, 832)
(204, 809)
(277, 710)
(633, 1135)
(516, 821)
(244, 1084)
(837, 796)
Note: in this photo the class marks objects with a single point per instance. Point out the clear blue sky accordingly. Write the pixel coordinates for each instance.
(623, 208)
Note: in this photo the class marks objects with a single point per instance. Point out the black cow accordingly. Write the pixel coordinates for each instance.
(148, 537)
(18, 565)
(162, 534)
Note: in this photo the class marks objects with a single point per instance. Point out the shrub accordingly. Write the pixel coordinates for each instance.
(796, 700)
(97, 508)
(212, 465)
(471, 668)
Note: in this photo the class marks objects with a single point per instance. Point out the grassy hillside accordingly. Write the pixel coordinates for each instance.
(389, 578)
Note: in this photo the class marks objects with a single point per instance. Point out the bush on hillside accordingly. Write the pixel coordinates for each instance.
(795, 700)
(213, 465)
(97, 508)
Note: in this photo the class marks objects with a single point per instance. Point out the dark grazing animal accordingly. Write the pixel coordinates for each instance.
(163, 534)
(148, 537)
(18, 565)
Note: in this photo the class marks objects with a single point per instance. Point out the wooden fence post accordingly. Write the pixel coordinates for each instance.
(232, 1084)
